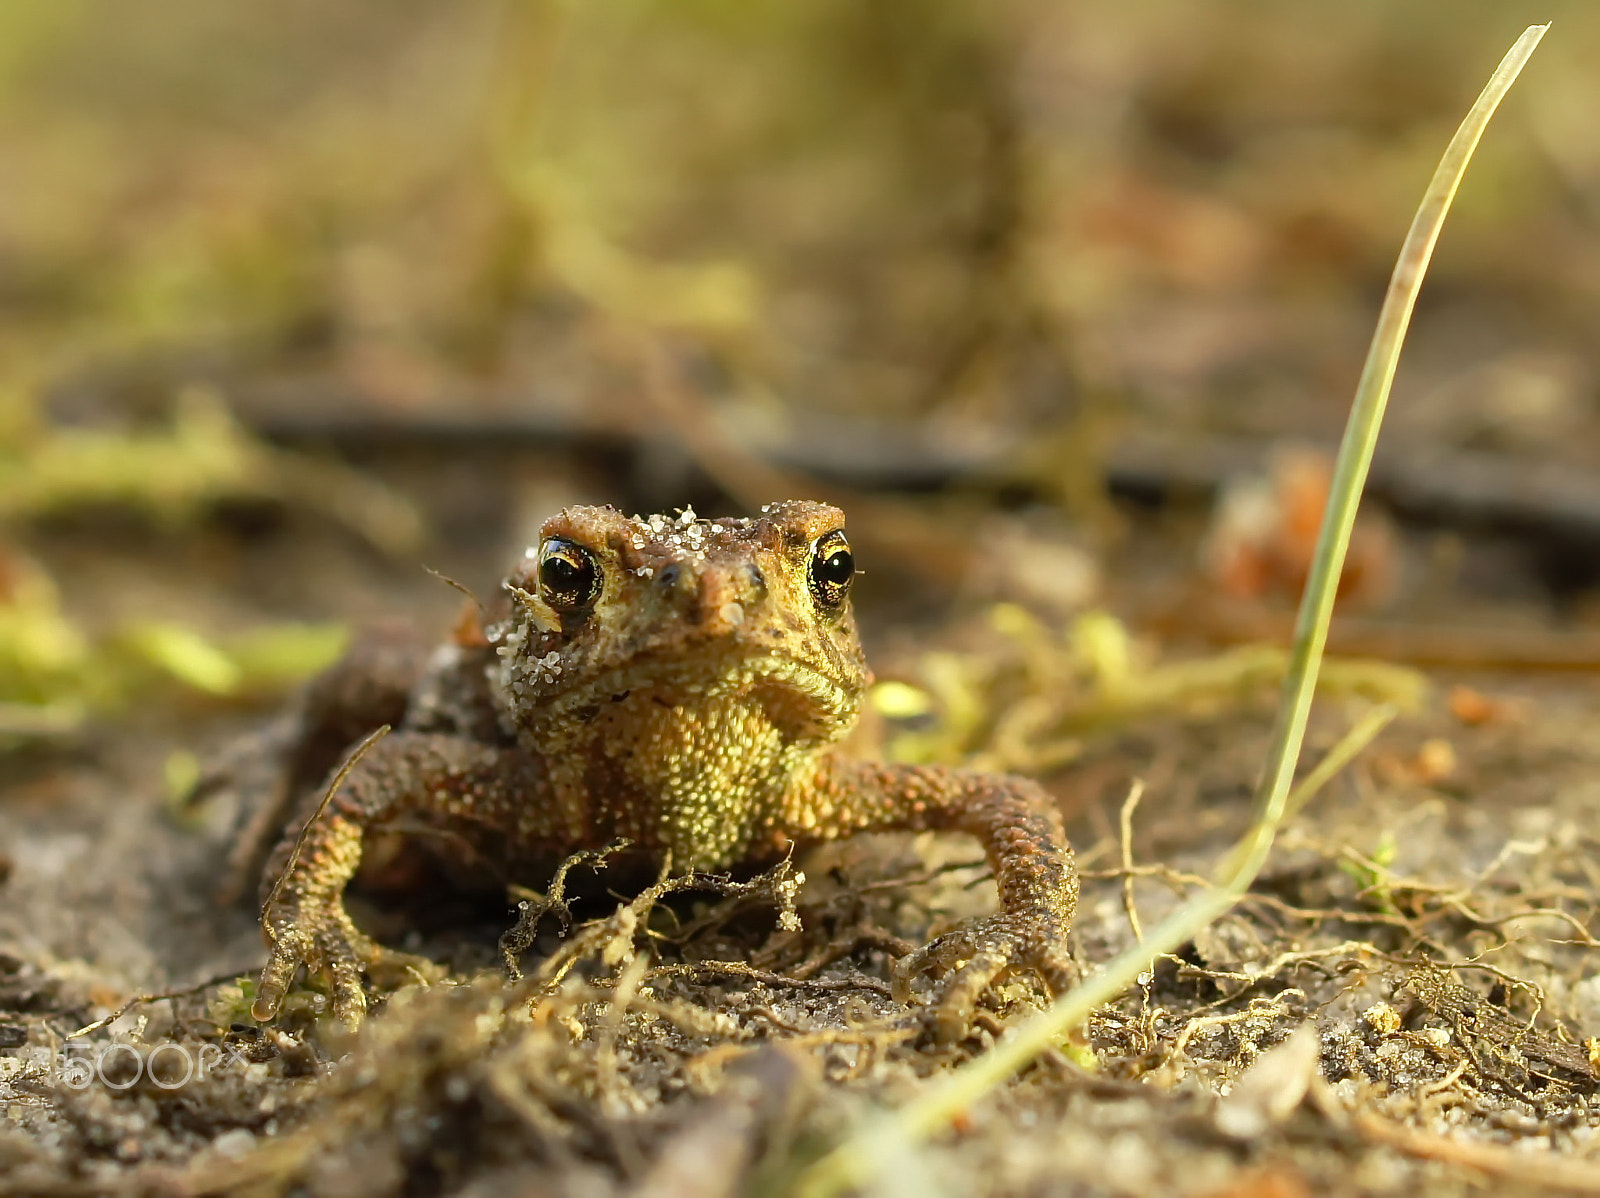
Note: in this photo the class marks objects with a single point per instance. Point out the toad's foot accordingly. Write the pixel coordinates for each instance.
(320, 936)
(406, 774)
(975, 955)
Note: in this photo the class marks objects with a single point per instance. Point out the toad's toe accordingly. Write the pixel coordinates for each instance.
(972, 958)
(325, 941)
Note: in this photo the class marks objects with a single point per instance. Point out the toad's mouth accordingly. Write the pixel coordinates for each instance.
(779, 683)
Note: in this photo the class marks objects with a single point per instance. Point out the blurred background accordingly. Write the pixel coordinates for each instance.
(1065, 305)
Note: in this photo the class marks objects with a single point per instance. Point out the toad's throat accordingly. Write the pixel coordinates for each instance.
(800, 699)
(702, 784)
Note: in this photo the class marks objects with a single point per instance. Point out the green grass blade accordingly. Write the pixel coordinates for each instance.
(1355, 452)
(853, 1160)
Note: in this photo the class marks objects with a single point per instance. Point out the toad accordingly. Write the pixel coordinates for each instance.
(678, 682)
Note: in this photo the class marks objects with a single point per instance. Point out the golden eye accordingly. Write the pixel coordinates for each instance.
(569, 577)
(833, 568)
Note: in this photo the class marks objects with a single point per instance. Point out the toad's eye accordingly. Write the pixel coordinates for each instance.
(832, 570)
(569, 577)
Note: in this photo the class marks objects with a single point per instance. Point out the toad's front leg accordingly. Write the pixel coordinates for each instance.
(443, 779)
(1020, 828)
(270, 771)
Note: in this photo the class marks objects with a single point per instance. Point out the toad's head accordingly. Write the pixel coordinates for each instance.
(630, 626)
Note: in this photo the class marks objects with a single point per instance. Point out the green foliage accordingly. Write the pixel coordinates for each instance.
(54, 674)
(1025, 700)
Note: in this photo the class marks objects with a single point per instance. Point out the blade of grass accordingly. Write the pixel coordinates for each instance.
(1355, 452)
(852, 1161)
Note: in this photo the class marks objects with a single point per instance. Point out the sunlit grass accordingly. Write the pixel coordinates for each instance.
(855, 1160)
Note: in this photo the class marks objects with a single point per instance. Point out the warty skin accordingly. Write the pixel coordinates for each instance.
(678, 682)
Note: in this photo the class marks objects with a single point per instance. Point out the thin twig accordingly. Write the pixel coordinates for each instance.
(1129, 806)
(361, 751)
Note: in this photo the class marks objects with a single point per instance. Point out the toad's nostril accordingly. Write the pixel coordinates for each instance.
(667, 577)
(722, 599)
